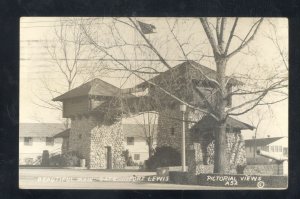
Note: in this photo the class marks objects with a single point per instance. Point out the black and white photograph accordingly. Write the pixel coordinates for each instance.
(153, 103)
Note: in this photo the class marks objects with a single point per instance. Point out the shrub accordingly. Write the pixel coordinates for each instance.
(163, 157)
(128, 158)
(69, 159)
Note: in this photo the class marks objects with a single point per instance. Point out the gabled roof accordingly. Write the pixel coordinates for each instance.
(261, 141)
(129, 130)
(197, 70)
(39, 129)
(139, 130)
(63, 134)
(208, 123)
(95, 87)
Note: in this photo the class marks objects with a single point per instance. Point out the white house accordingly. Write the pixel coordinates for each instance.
(36, 137)
(275, 145)
(135, 140)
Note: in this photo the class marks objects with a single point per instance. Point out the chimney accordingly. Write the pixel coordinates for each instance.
(268, 136)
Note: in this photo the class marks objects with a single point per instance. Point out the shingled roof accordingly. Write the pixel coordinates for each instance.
(197, 70)
(39, 129)
(208, 123)
(261, 141)
(96, 87)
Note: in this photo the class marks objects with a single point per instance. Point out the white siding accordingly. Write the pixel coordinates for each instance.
(140, 147)
(282, 143)
(36, 148)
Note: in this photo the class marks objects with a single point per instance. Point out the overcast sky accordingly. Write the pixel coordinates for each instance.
(36, 67)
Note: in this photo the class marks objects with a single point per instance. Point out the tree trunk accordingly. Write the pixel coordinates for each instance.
(150, 148)
(220, 160)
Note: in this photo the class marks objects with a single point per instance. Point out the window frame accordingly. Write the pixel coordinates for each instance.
(128, 142)
(28, 142)
(137, 155)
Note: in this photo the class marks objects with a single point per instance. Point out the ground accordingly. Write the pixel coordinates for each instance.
(45, 178)
(33, 178)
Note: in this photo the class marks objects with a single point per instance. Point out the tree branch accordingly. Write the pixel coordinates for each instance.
(210, 37)
(245, 42)
(231, 35)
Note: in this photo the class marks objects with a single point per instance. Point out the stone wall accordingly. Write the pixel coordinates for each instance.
(202, 154)
(236, 153)
(89, 137)
(80, 136)
(107, 136)
(169, 131)
(170, 127)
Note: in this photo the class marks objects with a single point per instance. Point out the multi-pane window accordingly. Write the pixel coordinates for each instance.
(49, 141)
(136, 157)
(130, 140)
(276, 149)
(28, 141)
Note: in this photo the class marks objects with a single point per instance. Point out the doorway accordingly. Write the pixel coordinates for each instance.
(108, 157)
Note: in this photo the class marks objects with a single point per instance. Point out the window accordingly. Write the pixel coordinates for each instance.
(172, 131)
(265, 148)
(279, 148)
(272, 148)
(136, 157)
(130, 140)
(49, 141)
(276, 148)
(28, 141)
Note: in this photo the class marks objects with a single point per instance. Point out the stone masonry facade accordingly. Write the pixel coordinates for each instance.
(170, 127)
(170, 134)
(107, 136)
(202, 154)
(89, 137)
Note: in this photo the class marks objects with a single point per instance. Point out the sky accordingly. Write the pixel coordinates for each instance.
(37, 69)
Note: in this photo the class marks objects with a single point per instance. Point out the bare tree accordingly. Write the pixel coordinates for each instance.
(71, 56)
(257, 118)
(225, 43)
(148, 126)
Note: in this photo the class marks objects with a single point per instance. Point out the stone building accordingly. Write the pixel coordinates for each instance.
(179, 81)
(96, 109)
(134, 139)
(96, 131)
